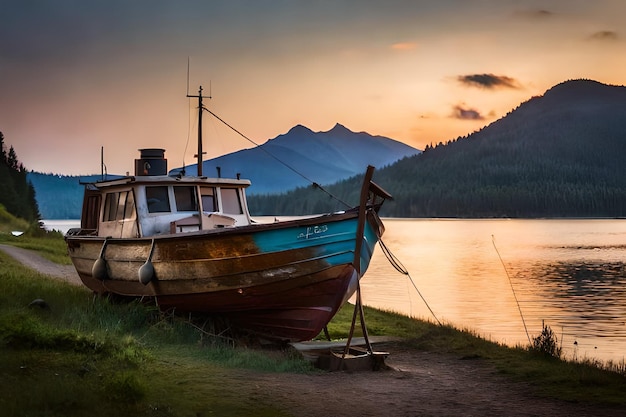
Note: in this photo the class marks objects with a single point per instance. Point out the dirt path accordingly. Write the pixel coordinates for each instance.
(418, 383)
(35, 261)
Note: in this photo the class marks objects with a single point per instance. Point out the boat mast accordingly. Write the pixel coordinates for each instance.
(200, 108)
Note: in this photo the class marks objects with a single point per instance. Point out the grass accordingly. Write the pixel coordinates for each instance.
(50, 245)
(9, 223)
(80, 354)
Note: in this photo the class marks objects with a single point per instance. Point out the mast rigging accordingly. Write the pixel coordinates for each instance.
(200, 108)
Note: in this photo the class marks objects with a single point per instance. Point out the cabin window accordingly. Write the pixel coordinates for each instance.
(121, 205)
(208, 199)
(158, 199)
(186, 198)
(91, 211)
(231, 204)
(110, 206)
(129, 205)
(118, 206)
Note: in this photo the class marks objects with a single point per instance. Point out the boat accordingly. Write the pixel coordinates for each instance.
(190, 244)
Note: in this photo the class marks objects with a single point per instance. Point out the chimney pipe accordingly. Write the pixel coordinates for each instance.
(151, 162)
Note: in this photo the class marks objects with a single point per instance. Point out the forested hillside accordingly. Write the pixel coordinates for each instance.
(17, 194)
(558, 155)
(60, 197)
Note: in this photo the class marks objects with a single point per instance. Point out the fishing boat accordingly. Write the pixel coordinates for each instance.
(190, 244)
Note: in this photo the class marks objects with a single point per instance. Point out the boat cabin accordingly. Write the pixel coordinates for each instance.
(152, 203)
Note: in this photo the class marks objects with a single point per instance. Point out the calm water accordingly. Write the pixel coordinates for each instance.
(568, 273)
(60, 225)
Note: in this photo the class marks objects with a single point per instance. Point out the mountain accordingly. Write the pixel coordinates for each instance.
(560, 154)
(322, 157)
(302, 156)
(557, 155)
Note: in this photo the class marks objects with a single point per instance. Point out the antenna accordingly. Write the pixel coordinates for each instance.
(200, 108)
(187, 76)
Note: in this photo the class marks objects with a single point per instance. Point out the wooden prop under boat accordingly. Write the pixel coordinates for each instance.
(189, 243)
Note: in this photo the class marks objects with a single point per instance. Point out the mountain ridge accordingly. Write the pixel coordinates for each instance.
(556, 155)
(301, 156)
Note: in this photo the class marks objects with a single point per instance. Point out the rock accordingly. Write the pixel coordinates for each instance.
(39, 303)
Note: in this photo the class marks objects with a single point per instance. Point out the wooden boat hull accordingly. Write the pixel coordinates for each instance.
(285, 280)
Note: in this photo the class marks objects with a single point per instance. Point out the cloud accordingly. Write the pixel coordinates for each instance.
(535, 14)
(404, 46)
(488, 81)
(461, 112)
(604, 35)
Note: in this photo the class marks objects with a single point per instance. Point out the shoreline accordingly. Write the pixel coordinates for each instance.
(417, 382)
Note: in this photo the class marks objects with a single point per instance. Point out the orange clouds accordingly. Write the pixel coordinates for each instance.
(404, 46)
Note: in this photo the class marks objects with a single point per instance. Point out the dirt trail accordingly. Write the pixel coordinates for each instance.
(417, 383)
(35, 261)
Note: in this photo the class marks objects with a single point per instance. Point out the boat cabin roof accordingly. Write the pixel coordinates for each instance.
(171, 180)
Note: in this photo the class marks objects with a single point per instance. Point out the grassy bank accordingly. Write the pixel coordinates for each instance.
(49, 244)
(9, 223)
(76, 354)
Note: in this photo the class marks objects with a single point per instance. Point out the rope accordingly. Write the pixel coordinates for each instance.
(315, 185)
(395, 262)
(493, 240)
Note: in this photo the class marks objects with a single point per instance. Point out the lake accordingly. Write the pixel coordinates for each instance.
(569, 274)
(60, 225)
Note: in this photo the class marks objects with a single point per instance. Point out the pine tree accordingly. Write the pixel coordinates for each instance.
(17, 194)
(3, 154)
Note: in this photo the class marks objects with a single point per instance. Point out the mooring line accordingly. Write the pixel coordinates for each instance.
(493, 241)
(395, 262)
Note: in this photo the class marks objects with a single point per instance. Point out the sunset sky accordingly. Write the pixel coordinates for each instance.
(77, 75)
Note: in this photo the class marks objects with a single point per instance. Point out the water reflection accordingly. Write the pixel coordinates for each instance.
(568, 273)
(586, 299)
